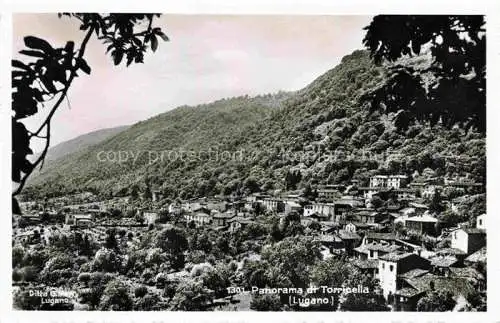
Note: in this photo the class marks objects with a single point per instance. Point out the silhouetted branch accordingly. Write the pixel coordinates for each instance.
(46, 123)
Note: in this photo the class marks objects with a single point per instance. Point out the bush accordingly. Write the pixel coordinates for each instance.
(115, 297)
(106, 260)
(84, 278)
(17, 275)
(267, 302)
(140, 291)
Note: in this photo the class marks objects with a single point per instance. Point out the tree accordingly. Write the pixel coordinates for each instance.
(149, 302)
(96, 286)
(55, 268)
(106, 260)
(17, 256)
(292, 178)
(173, 241)
(266, 302)
(451, 89)
(51, 71)
(147, 194)
(140, 291)
(436, 204)
(190, 295)
(139, 217)
(369, 302)
(377, 202)
(111, 242)
(217, 279)
(116, 297)
(436, 301)
(293, 257)
(134, 192)
(331, 272)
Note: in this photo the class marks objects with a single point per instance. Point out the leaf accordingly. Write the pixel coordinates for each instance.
(23, 106)
(20, 65)
(26, 166)
(18, 74)
(38, 43)
(37, 95)
(118, 55)
(82, 64)
(70, 46)
(154, 43)
(163, 36)
(33, 53)
(130, 59)
(48, 84)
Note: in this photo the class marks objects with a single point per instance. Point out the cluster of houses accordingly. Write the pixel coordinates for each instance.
(406, 270)
(350, 223)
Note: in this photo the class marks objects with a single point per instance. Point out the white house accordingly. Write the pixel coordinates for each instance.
(199, 218)
(389, 181)
(174, 209)
(395, 264)
(79, 219)
(349, 227)
(468, 240)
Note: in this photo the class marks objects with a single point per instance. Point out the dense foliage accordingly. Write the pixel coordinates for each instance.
(321, 134)
(451, 88)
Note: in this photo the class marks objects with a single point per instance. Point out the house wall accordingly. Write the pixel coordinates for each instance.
(476, 242)
(387, 271)
(460, 240)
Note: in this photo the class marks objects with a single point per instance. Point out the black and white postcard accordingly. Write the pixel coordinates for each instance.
(248, 162)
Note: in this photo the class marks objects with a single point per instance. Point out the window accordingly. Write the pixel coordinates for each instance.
(480, 222)
(371, 253)
(391, 268)
(383, 266)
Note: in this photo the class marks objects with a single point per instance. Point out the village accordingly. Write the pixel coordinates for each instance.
(389, 229)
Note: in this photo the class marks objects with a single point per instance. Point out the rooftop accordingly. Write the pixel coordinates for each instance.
(396, 256)
(346, 235)
(377, 247)
(457, 286)
(366, 264)
(380, 236)
(474, 231)
(443, 261)
(219, 215)
(408, 292)
(450, 251)
(422, 218)
(467, 272)
(478, 256)
(414, 273)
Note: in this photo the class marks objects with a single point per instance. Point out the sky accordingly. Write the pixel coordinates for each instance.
(208, 57)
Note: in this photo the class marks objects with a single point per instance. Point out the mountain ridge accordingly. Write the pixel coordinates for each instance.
(281, 133)
(82, 141)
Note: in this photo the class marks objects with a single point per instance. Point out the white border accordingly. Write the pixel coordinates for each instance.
(490, 8)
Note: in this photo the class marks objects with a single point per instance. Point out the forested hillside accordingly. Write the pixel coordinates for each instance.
(320, 134)
(81, 142)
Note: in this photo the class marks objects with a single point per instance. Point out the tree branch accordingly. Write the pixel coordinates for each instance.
(46, 123)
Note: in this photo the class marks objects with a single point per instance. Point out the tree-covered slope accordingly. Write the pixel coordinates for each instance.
(81, 142)
(324, 132)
